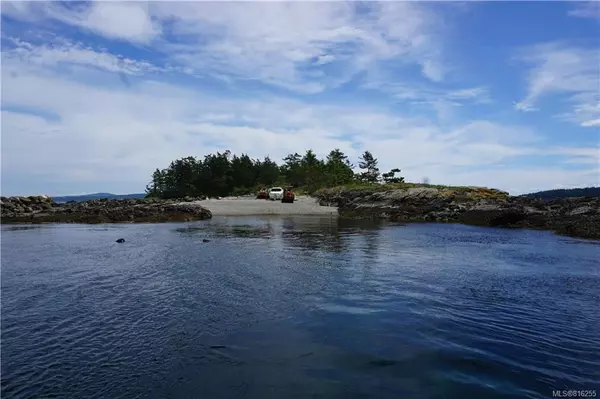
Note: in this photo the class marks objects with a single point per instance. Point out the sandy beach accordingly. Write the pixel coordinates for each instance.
(249, 206)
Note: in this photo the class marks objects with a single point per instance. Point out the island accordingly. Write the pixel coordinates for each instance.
(184, 190)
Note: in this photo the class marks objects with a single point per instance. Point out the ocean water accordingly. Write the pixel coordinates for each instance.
(297, 308)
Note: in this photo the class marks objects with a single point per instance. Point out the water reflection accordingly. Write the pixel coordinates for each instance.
(330, 234)
(21, 227)
(318, 233)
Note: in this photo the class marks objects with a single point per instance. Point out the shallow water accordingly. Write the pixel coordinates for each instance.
(297, 307)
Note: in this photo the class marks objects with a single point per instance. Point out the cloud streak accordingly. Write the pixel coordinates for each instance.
(64, 53)
(586, 9)
(556, 68)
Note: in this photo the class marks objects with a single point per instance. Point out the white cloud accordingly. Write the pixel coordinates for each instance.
(525, 107)
(559, 69)
(128, 21)
(579, 156)
(64, 53)
(586, 9)
(578, 151)
(479, 94)
(442, 101)
(233, 39)
(69, 124)
(324, 59)
(585, 108)
(526, 180)
(594, 122)
(433, 71)
(109, 137)
(23, 10)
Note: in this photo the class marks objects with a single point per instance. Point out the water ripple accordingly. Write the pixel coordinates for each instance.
(298, 307)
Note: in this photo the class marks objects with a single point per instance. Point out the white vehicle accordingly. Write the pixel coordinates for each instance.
(276, 193)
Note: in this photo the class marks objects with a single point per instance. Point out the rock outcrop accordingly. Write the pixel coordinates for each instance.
(578, 217)
(42, 209)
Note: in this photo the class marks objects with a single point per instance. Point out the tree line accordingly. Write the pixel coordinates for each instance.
(224, 174)
(566, 193)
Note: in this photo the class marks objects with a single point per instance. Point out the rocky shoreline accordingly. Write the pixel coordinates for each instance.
(43, 209)
(577, 217)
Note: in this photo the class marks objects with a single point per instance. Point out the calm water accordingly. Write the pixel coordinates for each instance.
(296, 308)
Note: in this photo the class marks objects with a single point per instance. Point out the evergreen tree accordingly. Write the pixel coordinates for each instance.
(312, 171)
(368, 163)
(268, 172)
(222, 174)
(338, 168)
(390, 177)
(291, 170)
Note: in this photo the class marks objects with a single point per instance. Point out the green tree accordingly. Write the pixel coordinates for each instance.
(312, 171)
(223, 174)
(179, 178)
(215, 178)
(390, 177)
(156, 187)
(268, 172)
(368, 163)
(291, 170)
(243, 174)
(338, 169)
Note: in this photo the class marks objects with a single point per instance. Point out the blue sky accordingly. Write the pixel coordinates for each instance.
(96, 95)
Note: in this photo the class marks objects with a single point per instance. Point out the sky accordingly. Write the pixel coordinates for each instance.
(96, 95)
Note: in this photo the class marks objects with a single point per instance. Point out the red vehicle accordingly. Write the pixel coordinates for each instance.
(262, 194)
(288, 196)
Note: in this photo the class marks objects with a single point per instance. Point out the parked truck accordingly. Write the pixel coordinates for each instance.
(288, 196)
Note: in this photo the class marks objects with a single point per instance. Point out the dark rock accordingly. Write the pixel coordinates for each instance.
(493, 215)
(121, 240)
(45, 210)
(578, 217)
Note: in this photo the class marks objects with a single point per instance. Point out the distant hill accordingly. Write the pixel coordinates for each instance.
(86, 197)
(564, 193)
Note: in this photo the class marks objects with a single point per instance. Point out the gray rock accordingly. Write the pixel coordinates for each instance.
(571, 216)
(43, 209)
(581, 210)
